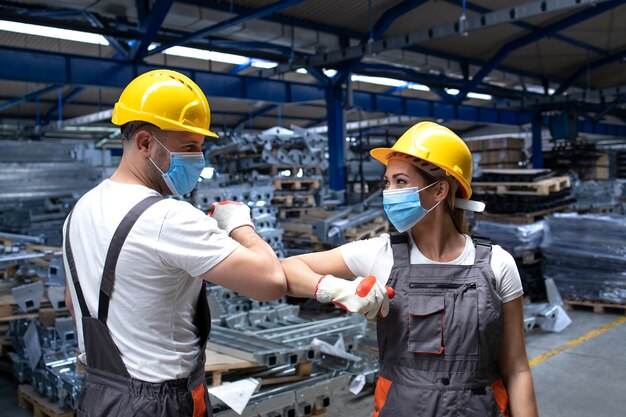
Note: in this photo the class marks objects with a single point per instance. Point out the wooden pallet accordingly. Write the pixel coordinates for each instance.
(599, 209)
(294, 200)
(288, 184)
(218, 364)
(596, 306)
(304, 212)
(308, 170)
(367, 231)
(42, 406)
(543, 187)
(523, 218)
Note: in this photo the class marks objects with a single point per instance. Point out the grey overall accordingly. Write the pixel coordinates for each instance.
(438, 345)
(109, 390)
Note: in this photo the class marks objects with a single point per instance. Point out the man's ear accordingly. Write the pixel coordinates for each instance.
(143, 142)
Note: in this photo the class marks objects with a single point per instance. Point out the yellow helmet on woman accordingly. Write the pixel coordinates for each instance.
(438, 145)
(166, 99)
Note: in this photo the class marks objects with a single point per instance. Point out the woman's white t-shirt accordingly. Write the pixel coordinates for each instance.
(375, 257)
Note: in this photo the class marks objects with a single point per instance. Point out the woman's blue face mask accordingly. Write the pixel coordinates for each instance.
(185, 169)
(403, 207)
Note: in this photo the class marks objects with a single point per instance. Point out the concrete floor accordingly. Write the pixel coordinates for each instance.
(585, 380)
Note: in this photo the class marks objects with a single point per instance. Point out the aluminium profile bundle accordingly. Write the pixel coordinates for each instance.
(256, 349)
(294, 400)
(303, 334)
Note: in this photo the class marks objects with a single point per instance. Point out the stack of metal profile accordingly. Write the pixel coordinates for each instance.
(39, 184)
(45, 356)
(257, 194)
(275, 146)
(278, 338)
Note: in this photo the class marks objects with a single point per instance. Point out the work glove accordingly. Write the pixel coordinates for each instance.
(230, 215)
(362, 295)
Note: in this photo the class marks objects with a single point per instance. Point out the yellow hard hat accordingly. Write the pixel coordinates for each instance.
(438, 145)
(168, 100)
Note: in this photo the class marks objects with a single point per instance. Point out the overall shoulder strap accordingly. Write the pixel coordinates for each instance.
(67, 246)
(400, 248)
(483, 250)
(113, 253)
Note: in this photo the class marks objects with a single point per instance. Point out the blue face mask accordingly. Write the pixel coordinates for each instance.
(403, 207)
(185, 169)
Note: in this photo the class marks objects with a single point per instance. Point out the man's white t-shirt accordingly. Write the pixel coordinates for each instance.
(375, 257)
(156, 288)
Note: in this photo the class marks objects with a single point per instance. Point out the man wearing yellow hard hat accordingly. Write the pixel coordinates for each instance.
(451, 340)
(138, 261)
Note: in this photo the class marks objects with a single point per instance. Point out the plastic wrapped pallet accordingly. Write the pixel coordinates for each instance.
(596, 194)
(514, 238)
(586, 256)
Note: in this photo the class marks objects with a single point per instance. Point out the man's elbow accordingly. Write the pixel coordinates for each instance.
(275, 285)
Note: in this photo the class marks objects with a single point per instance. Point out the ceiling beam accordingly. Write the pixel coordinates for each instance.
(588, 67)
(254, 115)
(392, 14)
(63, 69)
(535, 36)
(114, 42)
(68, 98)
(479, 9)
(237, 20)
(281, 19)
(27, 97)
(149, 27)
(498, 17)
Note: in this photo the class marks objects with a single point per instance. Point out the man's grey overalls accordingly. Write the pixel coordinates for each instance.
(439, 343)
(109, 390)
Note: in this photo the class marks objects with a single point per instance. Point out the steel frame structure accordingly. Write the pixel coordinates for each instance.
(132, 48)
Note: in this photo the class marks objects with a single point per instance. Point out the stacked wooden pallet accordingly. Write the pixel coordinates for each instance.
(498, 153)
(522, 195)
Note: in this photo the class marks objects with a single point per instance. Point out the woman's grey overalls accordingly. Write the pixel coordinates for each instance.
(109, 390)
(438, 346)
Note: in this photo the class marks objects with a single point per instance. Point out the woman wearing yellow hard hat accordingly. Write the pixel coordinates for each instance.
(450, 319)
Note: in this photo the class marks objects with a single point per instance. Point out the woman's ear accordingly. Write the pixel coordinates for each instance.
(442, 189)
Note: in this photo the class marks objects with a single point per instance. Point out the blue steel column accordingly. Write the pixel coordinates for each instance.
(336, 138)
(537, 158)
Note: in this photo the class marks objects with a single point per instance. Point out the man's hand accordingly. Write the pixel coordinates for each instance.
(362, 295)
(230, 215)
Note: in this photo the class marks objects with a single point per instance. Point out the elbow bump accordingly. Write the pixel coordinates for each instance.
(276, 286)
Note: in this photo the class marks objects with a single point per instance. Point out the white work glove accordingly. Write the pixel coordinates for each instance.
(230, 215)
(362, 295)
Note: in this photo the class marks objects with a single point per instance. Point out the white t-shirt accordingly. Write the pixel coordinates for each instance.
(155, 293)
(375, 257)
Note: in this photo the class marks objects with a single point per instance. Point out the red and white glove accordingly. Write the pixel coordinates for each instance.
(362, 295)
(230, 215)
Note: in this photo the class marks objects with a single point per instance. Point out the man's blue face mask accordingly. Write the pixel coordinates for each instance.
(185, 169)
(403, 207)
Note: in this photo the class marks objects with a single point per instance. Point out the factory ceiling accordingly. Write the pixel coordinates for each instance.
(469, 64)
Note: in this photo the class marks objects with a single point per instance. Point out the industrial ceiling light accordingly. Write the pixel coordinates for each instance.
(50, 32)
(391, 82)
(479, 96)
(222, 57)
(419, 87)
